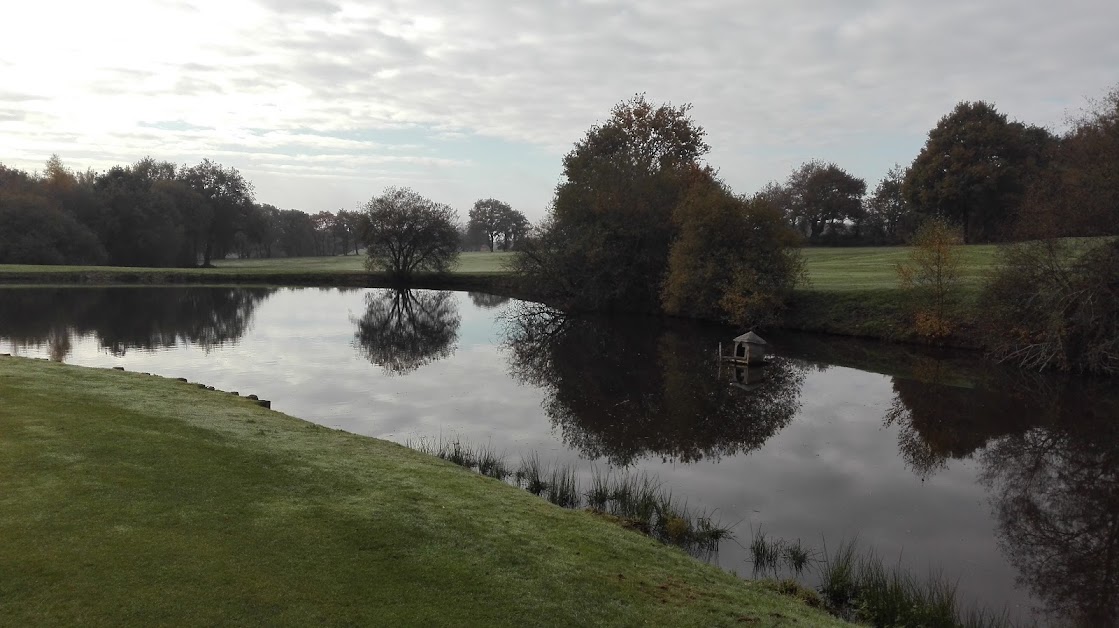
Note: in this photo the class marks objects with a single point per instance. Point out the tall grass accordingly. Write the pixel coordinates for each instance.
(636, 498)
(862, 588)
(484, 458)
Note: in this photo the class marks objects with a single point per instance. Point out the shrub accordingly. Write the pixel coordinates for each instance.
(1052, 306)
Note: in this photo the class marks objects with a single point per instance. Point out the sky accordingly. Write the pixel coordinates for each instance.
(324, 103)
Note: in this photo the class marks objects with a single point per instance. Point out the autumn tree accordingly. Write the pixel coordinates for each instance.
(605, 243)
(734, 259)
(1078, 194)
(931, 277)
(974, 169)
(408, 233)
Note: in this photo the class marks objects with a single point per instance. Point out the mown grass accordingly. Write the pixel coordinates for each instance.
(469, 263)
(135, 500)
(875, 268)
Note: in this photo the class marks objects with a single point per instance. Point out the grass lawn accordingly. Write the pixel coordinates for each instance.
(874, 268)
(469, 263)
(135, 500)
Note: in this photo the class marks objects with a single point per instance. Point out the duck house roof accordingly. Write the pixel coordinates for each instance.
(750, 338)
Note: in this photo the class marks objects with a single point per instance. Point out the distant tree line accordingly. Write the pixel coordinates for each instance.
(997, 179)
(155, 213)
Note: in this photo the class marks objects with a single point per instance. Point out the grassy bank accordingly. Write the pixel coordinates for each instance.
(849, 291)
(131, 499)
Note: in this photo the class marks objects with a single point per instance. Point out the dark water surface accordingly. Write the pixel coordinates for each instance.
(1006, 482)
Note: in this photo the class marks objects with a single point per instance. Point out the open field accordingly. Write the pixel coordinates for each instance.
(469, 263)
(135, 500)
(874, 268)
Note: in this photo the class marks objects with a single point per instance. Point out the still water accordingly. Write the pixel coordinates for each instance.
(1007, 483)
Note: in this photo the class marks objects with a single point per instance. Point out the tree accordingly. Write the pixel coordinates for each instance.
(1078, 194)
(734, 259)
(138, 226)
(820, 195)
(296, 233)
(488, 218)
(606, 241)
(229, 197)
(408, 233)
(888, 212)
(974, 169)
(194, 214)
(32, 231)
(514, 228)
(931, 276)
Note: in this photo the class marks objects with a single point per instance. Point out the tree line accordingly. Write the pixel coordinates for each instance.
(159, 214)
(998, 179)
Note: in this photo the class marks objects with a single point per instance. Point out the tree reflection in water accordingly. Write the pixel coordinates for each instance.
(128, 318)
(402, 330)
(487, 301)
(1056, 498)
(630, 389)
(1048, 449)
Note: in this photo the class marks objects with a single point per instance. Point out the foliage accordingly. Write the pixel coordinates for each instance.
(733, 259)
(1078, 195)
(819, 197)
(408, 233)
(974, 169)
(230, 198)
(889, 217)
(34, 232)
(931, 276)
(605, 244)
(1050, 306)
(139, 226)
(495, 221)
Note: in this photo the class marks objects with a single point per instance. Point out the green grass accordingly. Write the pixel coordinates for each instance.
(469, 263)
(135, 500)
(874, 268)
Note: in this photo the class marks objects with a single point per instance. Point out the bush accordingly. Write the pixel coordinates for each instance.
(1051, 306)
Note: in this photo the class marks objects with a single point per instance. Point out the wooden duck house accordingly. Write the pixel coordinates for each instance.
(749, 349)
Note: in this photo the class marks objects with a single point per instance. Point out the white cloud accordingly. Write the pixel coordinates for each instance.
(774, 84)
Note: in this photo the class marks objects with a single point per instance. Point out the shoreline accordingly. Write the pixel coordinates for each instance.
(869, 314)
(205, 505)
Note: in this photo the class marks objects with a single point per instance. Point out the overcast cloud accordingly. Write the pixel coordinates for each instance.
(323, 103)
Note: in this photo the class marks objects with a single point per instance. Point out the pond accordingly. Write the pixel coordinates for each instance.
(1007, 482)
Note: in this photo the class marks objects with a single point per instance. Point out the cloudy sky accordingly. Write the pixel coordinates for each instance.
(323, 103)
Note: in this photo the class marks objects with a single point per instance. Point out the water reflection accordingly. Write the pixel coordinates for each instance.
(1048, 449)
(128, 318)
(625, 390)
(402, 330)
(487, 301)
